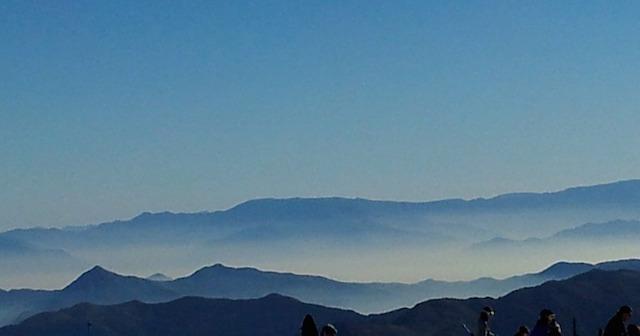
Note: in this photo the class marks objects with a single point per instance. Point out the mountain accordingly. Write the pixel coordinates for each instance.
(612, 232)
(18, 258)
(618, 229)
(272, 315)
(100, 286)
(563, 270)
(331, 235)
(96, 285)
(591, 298)
(626, 264)
(16, 248)
(159, 277)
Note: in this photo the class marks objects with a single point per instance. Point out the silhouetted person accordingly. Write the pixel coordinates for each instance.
(616, 327)
(543, 325)
(484, 329)
(308, 327)
(329, 330)
(633, 330)
(554, 328)
(522, 331)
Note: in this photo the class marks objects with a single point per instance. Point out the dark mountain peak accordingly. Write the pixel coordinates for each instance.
(219, 266)
(216, 267)
(145, 216)
(159, 277)
(220, 269)
(94, 277)
(278, 297)
(566, 269)
(513, 196)
(208, 270)
(98, 271)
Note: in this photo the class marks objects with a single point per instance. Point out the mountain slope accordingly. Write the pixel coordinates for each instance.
(100, 286)
(104, 287)
(611, 232)
(96, 286)
(272, 315)
(591, 298)
(623, 196)
(318, 233)
(618, 229)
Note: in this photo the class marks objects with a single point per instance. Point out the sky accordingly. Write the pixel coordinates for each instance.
(112, 108)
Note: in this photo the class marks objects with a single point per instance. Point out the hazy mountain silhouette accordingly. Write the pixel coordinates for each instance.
(365, 231)
(306, 212)
(15, 248)
(159, 277)
(96, 285)
(18, 258)
(100, 286)
(590, 297)
(618, 229)
(612, 232)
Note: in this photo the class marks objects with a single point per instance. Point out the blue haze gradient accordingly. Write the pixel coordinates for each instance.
(111, 108)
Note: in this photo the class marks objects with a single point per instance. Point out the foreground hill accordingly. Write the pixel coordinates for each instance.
(100, 286)
(273, 315)
(590, 298)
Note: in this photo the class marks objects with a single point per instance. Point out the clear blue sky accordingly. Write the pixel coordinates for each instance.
(111, 108)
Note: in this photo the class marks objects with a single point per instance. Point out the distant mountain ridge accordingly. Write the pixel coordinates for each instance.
(159, 277)
(591, 298)
(620, 230)
(100, 286)
(272, 209)
(347, 231)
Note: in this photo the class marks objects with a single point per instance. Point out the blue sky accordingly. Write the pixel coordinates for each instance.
(111, 108)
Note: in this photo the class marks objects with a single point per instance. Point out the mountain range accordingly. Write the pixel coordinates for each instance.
(617, 232)
(100, 286)
(339, 237)
(590, 298)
